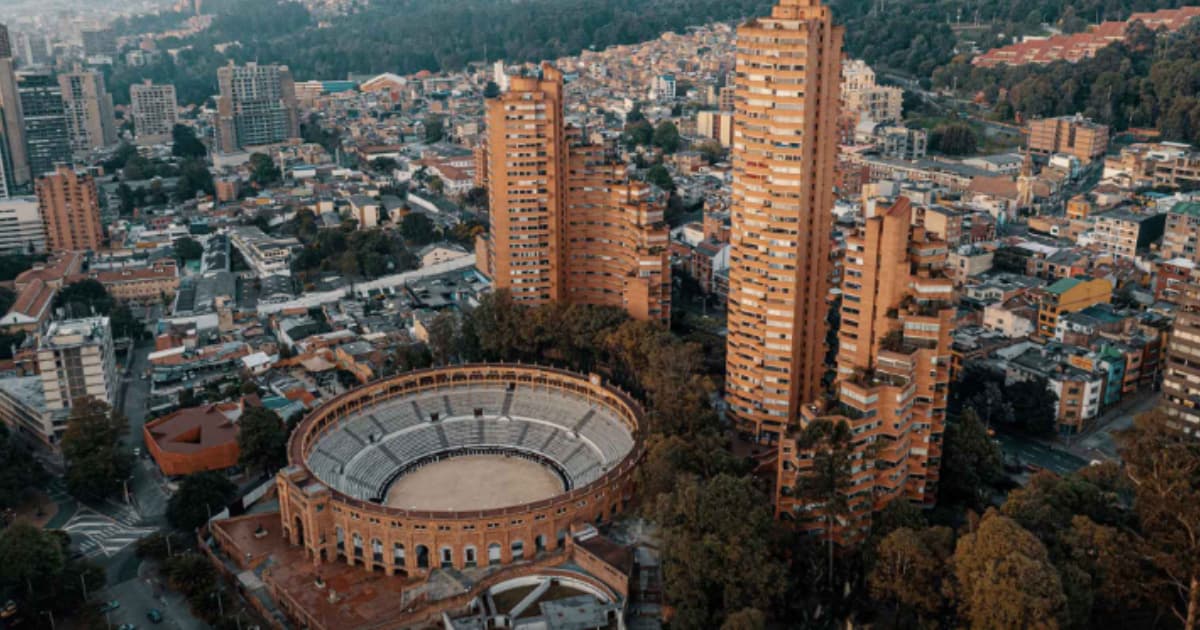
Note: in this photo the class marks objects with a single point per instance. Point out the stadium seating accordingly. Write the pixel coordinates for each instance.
(366, 452)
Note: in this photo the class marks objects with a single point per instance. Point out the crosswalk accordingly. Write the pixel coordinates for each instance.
(100, 534)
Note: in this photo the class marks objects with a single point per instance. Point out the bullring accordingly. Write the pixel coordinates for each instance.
(463, 466)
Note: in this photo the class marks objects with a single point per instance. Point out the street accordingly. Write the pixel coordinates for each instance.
(1066, 455)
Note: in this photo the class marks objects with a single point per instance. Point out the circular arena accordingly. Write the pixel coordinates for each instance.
(462, 466)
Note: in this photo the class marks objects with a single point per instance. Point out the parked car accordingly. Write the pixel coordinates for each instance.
(154, 615)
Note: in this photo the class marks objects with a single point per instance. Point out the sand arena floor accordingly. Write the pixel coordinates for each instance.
(474, 482)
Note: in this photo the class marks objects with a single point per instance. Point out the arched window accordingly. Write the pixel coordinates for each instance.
(358, 546)
(540, 543)
(518, 549)
(398, 554)
(341, 540)
(422, 557)
(469, 556)
(376, 550)
(494, 554)
(447, 557)
(561, 538)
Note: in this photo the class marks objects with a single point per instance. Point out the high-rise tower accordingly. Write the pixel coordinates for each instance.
(784, 149)
(567, 223)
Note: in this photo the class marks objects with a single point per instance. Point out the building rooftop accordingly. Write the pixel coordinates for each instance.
(74, 332)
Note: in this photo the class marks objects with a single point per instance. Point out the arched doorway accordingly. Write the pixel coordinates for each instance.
(561, 538)
(358, 546)
(518, 549)
(447, 558)
(469, 558)
(494, 554)
(540, 543)
(298, 532)
(422, 557)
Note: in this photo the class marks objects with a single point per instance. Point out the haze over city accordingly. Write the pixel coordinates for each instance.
(571, 314)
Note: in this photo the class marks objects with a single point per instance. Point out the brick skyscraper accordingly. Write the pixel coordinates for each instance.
(70, 208)
(568, 224)
(784, 149)
(893, 369)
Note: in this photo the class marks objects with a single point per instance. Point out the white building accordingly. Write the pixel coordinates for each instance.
(365, 210)
(21, 229)
(265, 254)
(76, 359)
(155, 112)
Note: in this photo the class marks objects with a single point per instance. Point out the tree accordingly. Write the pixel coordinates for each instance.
(263, 171)
(911, 570)
(971, 463)
(185, 144)
(953, 139)
(199, 496)
(1163, 466)
(194, 179)
(19, 471)
(666, 137)
(262, 440)
(444, 337)
(187, 248)
(418, 229)
(826, 483)
(638, 133)
(1033, 406)
(84, 298)
(661, 177)
(491, 90)
(37, 573)
(1005, 578)
(712, 151)
(435, 128)
(745, 619)
(717, 556)
(96, 465)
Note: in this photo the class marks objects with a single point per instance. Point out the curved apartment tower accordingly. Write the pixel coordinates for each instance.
(784, 150)
(567, 222)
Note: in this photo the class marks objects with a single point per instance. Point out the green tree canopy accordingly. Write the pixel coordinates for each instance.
(666, 137)
(971, 463)
(199, 495)
(262, 440)
(661, 177)
(20, 473)
(1005, 578)
(96, 465)
(263, 171)
(185, 144)
(418, 229)
(187, 248)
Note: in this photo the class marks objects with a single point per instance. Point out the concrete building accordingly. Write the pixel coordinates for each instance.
(89, 110)
(1124, 233)
(893, 376)
(785, 146)
(1182, 233)
(76, 359)
(257, 106)
(567, 225)
(716, 126)
(862, 96)
(47, 134)
(1072, 135)
(265, 254)
(1181, 378)
(14, 157)
(21, 229)
(1067, 296)
(155, 112)
(70, 207)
